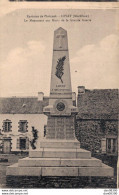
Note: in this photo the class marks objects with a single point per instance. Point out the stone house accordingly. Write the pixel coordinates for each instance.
(97, 120)
(17, 117)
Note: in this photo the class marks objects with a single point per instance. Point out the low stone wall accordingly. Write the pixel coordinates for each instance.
(60, 182)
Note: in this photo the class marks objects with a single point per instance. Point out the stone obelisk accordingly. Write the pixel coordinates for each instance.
(59, 154)
(60, 111)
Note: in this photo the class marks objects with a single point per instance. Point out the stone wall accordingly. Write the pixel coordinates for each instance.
(97, 118)
(90, 132)
(60, 182)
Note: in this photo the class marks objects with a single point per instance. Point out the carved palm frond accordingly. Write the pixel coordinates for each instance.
(60, 68)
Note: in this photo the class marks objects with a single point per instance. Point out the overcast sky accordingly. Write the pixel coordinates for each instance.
(26, 51)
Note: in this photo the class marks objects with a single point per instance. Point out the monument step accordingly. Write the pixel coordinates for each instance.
(58, 162)
(60, 153)
(15, 170)
(60, 144)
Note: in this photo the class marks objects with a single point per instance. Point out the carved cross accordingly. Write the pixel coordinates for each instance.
(60, 37)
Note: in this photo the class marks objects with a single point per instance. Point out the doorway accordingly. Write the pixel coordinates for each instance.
(22, 143)
(6, 145)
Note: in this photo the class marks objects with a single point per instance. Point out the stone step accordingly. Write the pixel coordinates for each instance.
(52, 162)
(60, 144)
(77, 171)
(15, 170)
(60, 153)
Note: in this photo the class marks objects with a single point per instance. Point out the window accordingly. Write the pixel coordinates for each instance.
(7, 125)
(111, 145)
(23, 143)
(23, 126)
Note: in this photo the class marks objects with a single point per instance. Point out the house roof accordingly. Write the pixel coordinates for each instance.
(98, 103)
(22, 105)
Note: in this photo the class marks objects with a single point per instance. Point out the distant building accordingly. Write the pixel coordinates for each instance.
(97, 120)
(17, 117)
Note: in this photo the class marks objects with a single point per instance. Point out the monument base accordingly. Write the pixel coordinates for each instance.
(60, 158)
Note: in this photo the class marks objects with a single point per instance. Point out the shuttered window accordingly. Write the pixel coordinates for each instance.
(7, 125)
(23, 126)
(109, 145)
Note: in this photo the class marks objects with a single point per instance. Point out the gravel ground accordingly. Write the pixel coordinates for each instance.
(11, 160)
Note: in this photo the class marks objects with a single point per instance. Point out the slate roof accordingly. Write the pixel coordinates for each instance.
(98, 103)
(22, 105)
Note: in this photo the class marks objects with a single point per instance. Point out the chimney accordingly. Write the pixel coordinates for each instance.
(40, 96)
(81, 90)
(73, 96)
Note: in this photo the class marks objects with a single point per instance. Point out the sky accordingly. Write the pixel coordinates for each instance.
(26, 50)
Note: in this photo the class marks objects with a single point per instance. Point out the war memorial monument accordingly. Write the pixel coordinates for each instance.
(60, 154)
